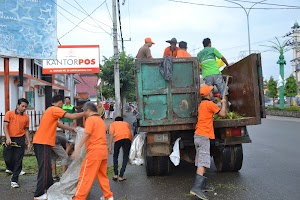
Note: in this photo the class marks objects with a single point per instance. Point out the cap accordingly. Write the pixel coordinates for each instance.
(205, 90)
(148, 40)
(173, 40)
(183, 45)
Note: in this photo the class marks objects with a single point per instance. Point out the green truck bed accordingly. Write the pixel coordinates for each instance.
(172, 105)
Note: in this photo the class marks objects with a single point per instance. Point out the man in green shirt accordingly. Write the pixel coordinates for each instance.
(69, 108)
(210, 70)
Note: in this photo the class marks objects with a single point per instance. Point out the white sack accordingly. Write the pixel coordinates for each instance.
(136, 150)
(175, 155)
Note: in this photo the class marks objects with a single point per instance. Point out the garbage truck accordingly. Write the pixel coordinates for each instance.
(168, 110)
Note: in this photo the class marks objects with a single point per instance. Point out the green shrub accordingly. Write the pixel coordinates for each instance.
(292, 108)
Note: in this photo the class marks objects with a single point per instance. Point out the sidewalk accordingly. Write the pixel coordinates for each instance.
(291, 119)
(27, 182)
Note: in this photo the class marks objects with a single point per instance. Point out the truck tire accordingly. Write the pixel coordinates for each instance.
(156, 165)
(238, 158)
(222, 159)
(229, 159)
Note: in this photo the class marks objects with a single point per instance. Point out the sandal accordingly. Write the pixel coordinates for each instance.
(121, 178)
(115, 178)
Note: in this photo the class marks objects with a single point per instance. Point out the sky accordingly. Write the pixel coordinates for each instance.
(163, 19)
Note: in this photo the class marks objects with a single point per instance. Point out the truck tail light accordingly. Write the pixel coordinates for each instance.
(235, 132)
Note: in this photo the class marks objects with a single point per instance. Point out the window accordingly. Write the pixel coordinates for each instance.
(30, 97)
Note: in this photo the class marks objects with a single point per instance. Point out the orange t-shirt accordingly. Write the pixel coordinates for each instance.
(170, 53)
(120, 130)
(206, 111)
(17, 123)
(183, 54)
(96, 144)
(46, 132)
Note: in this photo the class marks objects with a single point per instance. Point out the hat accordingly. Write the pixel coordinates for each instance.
(205, 90)
(183, 45)
(173, 40)
(148, 40)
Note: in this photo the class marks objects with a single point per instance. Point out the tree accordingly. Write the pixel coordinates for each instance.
(291, 87)
(126, 69)
(272, 88)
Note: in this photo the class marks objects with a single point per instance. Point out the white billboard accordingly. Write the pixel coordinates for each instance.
(74, 59)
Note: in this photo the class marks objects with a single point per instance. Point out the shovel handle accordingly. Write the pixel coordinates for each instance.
(226, 83)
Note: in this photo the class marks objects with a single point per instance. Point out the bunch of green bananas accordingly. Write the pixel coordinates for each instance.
(13, 144)
(229, 115)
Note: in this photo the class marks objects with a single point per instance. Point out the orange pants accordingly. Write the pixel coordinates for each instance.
(89, 170)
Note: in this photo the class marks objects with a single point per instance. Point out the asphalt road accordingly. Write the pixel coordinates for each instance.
(271, 170)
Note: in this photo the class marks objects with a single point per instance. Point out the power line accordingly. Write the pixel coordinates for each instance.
(237, 46)
(82, 20)
(119, 13)
(90, 15)
(129, 18)
(270, 4)
(108, 11)
(72, 13)
(78, 26)
(83, 13)
(235, 7)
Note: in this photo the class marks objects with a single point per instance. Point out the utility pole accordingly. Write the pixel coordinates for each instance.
(21, 77)
(116, 59)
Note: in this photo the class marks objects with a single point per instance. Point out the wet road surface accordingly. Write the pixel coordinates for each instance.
(271, 170)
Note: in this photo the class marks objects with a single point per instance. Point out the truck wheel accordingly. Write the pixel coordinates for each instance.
(229, 159)
(156, 165)
(238, 158)
(222, 159)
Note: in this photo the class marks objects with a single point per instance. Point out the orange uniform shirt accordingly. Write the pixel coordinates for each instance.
(204, 126)
(120, 130)
(183, 54)
(170, 53)
(46, 132)
(96, 144)
(17, 123)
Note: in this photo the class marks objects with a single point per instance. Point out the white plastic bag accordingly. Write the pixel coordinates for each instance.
(136, 150)
(65, 188)
(175, 155)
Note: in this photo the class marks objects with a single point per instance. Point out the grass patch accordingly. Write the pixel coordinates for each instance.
(29, 163)
(290, 108)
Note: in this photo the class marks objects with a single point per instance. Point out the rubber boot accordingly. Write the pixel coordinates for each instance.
(205, 187)
(197, 188)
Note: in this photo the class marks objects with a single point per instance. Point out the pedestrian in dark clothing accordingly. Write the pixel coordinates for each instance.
(121, 134)
(16, 124)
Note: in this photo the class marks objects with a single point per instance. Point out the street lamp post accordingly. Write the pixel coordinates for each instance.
(247, 14)
(281, 63)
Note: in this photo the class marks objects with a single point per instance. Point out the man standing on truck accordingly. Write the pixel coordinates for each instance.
(210, 70)
(182, 53)
(172, 49)
(144, 51)
(203, 133)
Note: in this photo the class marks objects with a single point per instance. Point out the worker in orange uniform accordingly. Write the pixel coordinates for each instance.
(203, 133)
(95, 162)
(121, 134)
(182, 53)
(44, 140)
(172, 49)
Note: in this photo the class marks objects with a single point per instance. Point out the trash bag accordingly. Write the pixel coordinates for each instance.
(136, 150)
(166, 68)
(175, 155)
(65, 188)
